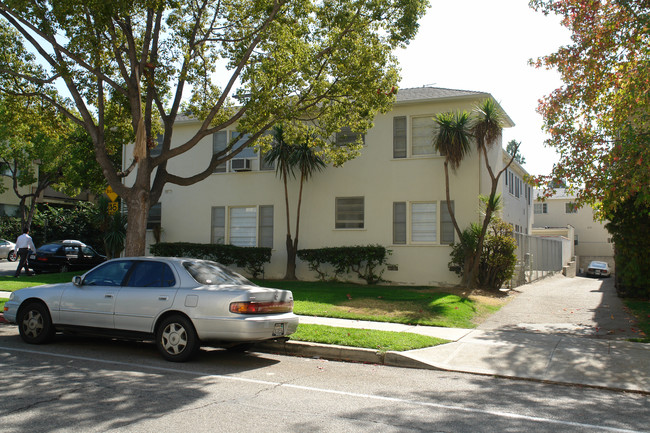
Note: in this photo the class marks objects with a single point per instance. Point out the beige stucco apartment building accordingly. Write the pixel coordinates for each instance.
(393, 194)
(559, 216)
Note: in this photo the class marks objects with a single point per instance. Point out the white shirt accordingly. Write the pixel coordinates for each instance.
(25, 241)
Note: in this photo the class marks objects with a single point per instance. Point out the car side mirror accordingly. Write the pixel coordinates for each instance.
(76, 280)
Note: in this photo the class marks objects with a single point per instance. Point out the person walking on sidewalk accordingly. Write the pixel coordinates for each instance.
(24, 244)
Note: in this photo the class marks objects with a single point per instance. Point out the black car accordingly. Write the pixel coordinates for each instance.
(64, 256)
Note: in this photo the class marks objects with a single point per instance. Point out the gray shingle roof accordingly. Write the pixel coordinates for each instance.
(416, 94)
(428, 93)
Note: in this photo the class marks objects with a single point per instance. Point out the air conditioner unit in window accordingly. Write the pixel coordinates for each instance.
(240, 164)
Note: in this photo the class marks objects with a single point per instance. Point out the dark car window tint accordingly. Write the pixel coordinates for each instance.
(111, 274)
(71, 251)
(88, 252)
(151, 274)
(51, 248)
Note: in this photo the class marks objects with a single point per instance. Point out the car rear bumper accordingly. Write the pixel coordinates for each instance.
(246, 327)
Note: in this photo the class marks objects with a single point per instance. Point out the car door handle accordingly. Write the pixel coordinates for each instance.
(108, 295)
(163, 298)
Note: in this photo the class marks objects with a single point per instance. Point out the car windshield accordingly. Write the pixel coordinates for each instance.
(599, 265)
(209, 273)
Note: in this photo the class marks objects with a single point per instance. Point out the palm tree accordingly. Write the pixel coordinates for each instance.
(454, 133)
(486, 130)
(289, 159)
(452, 140)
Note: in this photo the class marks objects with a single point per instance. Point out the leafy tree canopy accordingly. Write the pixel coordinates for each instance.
(326, 63)
(599, 120)
(39, 148)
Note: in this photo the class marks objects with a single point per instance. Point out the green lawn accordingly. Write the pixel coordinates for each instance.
(398, 304)
(9, 284)
(382, 341)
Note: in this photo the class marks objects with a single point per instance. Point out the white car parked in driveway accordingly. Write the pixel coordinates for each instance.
(179, 303)
(598, 269)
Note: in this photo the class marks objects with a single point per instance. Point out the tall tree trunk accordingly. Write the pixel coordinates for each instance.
(449, 208)
(290, 272)
(136, 231)
(32, 208)
(292, 245)
(21, 207)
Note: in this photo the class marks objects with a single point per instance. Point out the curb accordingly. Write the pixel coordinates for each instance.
(340, 353)
(395, 359)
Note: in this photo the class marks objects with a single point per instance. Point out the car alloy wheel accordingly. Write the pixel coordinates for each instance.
(176, 339)
(12, 256)
(34, 323)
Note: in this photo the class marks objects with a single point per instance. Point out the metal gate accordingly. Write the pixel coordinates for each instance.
(537, 257)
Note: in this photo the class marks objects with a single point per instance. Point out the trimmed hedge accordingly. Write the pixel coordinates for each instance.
(250, 258)
(365, 261)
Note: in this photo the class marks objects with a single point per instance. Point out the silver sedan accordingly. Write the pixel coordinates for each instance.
(179, 303)
(7, 250)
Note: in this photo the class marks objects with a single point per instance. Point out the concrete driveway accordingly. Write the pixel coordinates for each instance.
(577, 306)
(562, 330)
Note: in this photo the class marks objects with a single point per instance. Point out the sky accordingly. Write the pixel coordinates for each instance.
(485, 45)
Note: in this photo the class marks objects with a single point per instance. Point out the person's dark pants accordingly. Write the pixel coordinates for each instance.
(23, 253)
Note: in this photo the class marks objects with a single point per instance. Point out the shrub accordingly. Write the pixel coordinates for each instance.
(463, 250)
(499, 255)
(498, 258)
(365, 261)
(630, 228)
(250, 258)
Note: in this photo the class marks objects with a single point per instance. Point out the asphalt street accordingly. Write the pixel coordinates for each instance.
(92, 385)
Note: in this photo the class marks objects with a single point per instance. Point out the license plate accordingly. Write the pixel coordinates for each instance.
(32, 257)
(597, 272)
(278, 329)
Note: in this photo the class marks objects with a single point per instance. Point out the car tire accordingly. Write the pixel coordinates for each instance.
(35, 324)
(12, 256)
(64, 268)
(176, 339)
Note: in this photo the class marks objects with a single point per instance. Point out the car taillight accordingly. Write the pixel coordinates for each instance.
(252, 307)
(41, 259)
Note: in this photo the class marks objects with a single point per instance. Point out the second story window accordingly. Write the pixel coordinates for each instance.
(422, 136)
(219, 143)
(541, 208)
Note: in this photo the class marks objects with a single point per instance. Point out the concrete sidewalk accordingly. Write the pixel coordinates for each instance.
(557, 358)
